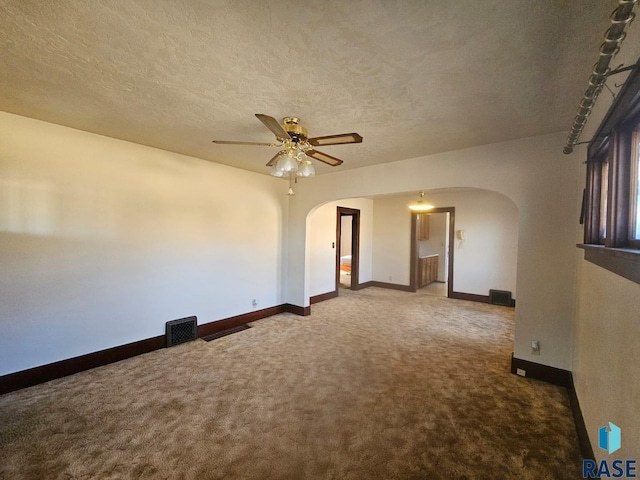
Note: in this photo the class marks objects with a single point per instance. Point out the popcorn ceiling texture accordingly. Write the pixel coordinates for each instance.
(412, 77)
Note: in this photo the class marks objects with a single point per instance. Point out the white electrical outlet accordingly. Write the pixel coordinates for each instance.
(254, 302)
(521, 372)
(535, 347)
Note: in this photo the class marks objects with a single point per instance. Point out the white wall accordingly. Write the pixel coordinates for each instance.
(102, 241)
(486, 259)
(606, 364)
(392, 240)
(346, 235)
(533, 173)
(322, 234)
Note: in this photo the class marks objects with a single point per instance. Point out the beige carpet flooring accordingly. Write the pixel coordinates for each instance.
(375, 384)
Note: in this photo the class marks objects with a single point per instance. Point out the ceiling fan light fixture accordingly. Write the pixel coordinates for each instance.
(295, 159)
(275, 172)
(306, 169)
(287, 163)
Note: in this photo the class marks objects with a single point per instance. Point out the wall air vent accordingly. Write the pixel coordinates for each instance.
(500, 297)
(181, 330)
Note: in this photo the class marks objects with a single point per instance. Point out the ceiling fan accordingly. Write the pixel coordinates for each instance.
(297, 147)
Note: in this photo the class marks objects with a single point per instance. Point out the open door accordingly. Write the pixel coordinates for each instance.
(347, 248)
(417, 234)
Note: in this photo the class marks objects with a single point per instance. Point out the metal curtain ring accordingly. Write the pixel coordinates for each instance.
(588, 105)
(624, 21)
(597, 82)
(584, 111)
(620, 38)
(600, 74)
(594, 94)
(608, 54)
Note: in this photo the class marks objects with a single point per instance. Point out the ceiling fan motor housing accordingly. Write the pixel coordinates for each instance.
(292, 126)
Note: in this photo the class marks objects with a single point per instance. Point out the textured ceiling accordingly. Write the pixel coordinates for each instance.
(412, 77)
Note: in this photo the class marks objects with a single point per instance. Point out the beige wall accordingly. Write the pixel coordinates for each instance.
(606, 365)
(485, 259)
(103, 241)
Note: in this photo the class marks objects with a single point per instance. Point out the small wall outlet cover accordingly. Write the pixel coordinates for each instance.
(535, 347)
(521, 372)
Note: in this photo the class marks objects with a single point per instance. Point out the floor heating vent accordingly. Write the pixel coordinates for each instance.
(226, 332)
(181, 330)
(500, 297)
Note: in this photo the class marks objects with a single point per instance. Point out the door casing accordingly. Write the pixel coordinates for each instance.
(413, 266)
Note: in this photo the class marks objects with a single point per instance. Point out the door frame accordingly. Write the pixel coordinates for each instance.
(413, 266)
(354, 213)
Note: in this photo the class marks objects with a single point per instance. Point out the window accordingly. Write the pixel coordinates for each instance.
(598, 183)
(634, 219)
(604, 192)
(612, 226)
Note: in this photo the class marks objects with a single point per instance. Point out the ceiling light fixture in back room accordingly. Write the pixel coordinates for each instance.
(294, 160)
(420, 206)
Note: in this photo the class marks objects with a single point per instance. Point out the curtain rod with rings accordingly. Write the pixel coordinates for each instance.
(621, 17)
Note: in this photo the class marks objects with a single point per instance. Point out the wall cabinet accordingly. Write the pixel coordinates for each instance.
(427, 270)
(423, 226)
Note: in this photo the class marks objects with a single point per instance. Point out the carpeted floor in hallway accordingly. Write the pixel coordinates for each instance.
(375, 384)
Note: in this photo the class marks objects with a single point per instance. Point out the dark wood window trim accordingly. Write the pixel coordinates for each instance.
(595, 170)
(621, 261)
(611, 147)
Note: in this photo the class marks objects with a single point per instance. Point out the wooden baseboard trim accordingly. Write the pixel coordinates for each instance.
(564, 378)
(472, 297)
(219, 325)
(52, 371)
(323, 296)
(581, 429)
(391, 286)
(364, 285)
(302, 311)
(548, 374)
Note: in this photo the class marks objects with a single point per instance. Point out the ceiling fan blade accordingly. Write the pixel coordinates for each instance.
(323, 157)
(335, 139)
(273, 160)
(273, 125)
(259, 144)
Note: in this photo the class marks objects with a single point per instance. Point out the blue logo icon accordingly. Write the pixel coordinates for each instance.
(609, 440)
